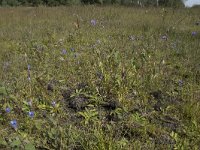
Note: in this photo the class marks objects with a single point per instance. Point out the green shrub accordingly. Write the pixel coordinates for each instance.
(10, 3)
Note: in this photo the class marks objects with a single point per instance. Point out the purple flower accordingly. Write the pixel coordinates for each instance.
(98, 42)
(164, 37)
(72, 49)
(30, 103)
(6, 65)
(13, 123)
(8, 110)
(132, 37)
(29, 72)
(194, 33)
(93, 22)
(53, 103)
(64, 51)
(29, 67)
(31, 114)
(180, 82)
(100, 75)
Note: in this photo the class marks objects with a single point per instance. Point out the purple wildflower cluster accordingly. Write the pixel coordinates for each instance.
(53, 103)
(72, 49)
(13, 124)
(132, 37)
(164, 37)
(64, 51)
(8, 110)
(194, 33)
(31, 114)
(29, 72)
(93, 22)
(180, 83)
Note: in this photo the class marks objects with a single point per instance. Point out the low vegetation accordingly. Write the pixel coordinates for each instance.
(88, 77)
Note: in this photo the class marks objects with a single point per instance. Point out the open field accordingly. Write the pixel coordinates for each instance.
(106, 78)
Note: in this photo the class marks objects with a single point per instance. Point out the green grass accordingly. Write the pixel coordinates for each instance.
(120, 85)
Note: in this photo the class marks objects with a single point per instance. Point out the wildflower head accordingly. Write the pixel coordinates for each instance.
(98, 42)
(13, 123)
(100, 75)
(132, 37)
(93, 22)
(64, 51)
(29, 74)
(30, 102)
(53, 103)
(29, 67)
(164, 37)
(194, 33)
(180, 82)
(6, 65)
(72, 49)
(31, 114)
(7, 109)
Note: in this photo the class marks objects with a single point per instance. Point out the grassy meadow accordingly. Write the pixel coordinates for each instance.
(99, 78)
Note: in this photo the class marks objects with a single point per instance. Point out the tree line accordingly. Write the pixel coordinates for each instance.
(166, 3)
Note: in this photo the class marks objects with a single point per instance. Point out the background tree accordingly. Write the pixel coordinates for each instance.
(165, 3)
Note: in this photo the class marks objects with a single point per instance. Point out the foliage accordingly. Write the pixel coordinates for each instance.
(67, 2)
